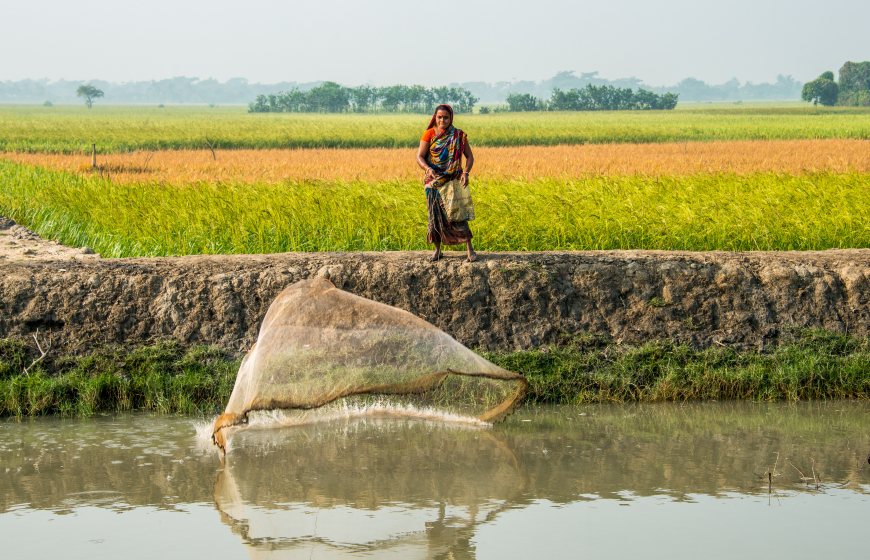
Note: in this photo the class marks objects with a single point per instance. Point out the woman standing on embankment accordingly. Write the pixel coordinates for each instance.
(447, 195)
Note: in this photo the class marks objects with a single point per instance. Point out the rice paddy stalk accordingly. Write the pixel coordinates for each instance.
(763, 211)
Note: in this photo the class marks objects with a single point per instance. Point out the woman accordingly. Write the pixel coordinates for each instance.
(440, 156)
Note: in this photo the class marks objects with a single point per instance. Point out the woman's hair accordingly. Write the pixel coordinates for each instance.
(442, 107)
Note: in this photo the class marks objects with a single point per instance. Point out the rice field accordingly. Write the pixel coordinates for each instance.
(71, 129)
(179, 181)
(708, 211)
(502, 163)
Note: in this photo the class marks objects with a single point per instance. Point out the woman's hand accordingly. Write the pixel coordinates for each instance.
(422, 154)
(463, 180)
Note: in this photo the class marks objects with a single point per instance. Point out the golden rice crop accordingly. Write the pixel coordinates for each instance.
(495, 163)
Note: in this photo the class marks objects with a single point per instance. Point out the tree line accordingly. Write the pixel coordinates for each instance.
(853, 88)
(331, 97)
(593, 98)
(689, 89)
(183, 89)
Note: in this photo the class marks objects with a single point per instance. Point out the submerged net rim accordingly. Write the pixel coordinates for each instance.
(422, 385)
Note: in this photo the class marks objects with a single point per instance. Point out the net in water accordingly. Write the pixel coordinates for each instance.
(319, 345)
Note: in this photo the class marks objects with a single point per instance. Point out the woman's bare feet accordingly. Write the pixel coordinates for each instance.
(472, 256)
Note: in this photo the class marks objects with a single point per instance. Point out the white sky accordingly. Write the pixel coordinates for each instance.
(405, 41)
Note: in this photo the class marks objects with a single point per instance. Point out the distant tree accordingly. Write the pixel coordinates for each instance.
(609, 98)
(821, 90)
(363, 99)
(668, 101)
(854, 84)
(293, 101)
(463, 100)
(854, 76)
(646, 100)
(329, 97)
(855, 98)
(416, 99)
(90, 93)
(564, 100)
(391, 97)
(523, 102)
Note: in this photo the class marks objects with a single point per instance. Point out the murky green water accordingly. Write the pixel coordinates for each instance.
(654, 481)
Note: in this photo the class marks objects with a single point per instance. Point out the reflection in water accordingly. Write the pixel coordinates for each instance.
(422, 488)
(402, 488)
(392, 487)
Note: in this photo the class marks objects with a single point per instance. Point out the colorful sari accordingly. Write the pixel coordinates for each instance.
(445, 159)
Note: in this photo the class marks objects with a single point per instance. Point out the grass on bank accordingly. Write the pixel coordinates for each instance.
(72, 129)
(763, 211)
(163, 378)
(167, 378)
(814, 365)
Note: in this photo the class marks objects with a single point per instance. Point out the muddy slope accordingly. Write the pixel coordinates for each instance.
(505, 301)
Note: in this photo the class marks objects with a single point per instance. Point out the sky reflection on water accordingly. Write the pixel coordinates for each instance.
(665, 481)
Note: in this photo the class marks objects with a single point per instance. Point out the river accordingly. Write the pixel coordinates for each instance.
(708, 480)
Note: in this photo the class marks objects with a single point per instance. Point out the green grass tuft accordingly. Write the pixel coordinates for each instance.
(815, 365)
(169, 379)
(163, 378)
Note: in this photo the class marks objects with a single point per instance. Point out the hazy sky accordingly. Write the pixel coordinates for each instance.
(431, 43)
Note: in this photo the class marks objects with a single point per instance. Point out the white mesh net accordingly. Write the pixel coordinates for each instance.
(319, 344)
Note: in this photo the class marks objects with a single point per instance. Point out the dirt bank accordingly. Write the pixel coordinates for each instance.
(17, 243)
(505, 301)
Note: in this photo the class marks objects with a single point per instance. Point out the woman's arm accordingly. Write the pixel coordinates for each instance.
(421, 159)
(469, 163)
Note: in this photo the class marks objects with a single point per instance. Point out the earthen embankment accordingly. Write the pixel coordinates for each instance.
(505, 301)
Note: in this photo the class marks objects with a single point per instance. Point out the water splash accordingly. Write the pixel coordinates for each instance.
(337, 412)
(203, 429)
(347, 411)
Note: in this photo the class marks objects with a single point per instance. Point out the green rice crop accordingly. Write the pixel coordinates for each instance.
(113, 129)
(764, 211)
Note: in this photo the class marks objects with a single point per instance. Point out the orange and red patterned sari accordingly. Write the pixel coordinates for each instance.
(445, 159)
(445, 155)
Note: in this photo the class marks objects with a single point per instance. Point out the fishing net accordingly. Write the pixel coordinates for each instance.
(319, 345)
